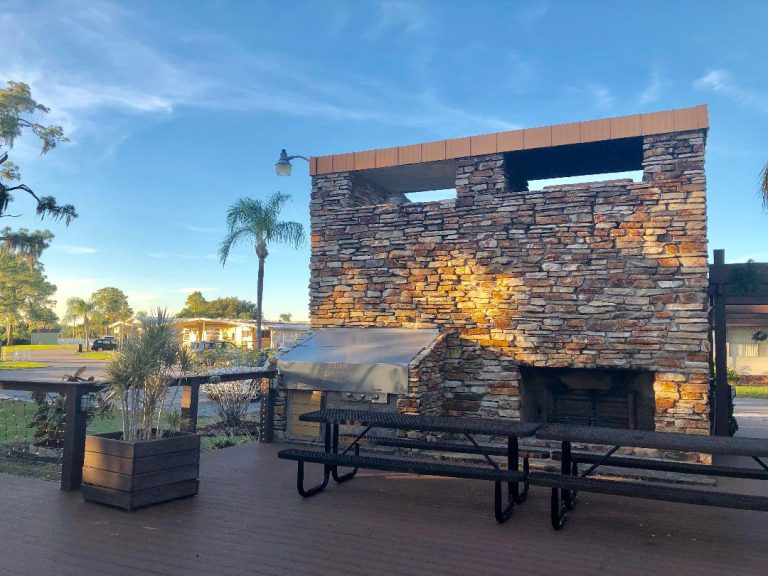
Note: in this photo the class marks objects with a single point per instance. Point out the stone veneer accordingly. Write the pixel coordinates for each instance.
(604, 274)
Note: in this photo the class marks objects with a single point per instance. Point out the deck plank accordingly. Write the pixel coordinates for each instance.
(248, 519)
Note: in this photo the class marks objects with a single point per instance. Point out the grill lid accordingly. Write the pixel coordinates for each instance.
(354, 359)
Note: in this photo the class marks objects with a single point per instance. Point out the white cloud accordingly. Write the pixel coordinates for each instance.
(399, 16)
(652, 92)
(129, 74)
(601, 95)
(720, 81)
(529, 13)
(156, 254)
(73, 249)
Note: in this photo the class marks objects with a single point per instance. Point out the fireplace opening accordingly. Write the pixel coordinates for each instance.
(614, 398)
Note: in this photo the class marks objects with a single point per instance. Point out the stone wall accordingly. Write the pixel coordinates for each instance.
(604, 274)
(425, 380)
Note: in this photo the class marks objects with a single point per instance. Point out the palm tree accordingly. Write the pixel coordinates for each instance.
(764, 186)
(80, 308)
(253, 221)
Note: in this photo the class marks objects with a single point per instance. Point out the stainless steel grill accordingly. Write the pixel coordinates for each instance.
(372, 361)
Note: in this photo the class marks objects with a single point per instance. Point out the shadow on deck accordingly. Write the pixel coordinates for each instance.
(248, 519)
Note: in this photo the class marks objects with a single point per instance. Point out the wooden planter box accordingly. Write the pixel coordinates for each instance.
(134, 474)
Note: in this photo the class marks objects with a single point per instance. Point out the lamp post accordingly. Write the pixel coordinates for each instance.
(283, 165)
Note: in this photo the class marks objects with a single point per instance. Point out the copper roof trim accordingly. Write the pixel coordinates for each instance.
(695, 118)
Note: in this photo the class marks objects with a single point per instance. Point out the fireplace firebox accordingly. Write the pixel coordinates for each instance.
(589, 397)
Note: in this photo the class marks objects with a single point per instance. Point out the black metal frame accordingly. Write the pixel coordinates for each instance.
(502, 510)
(562, 500)
(306, 493)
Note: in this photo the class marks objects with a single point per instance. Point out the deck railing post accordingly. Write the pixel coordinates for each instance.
(266, 426)
(74, 439)
(722, 389)
(190, 399)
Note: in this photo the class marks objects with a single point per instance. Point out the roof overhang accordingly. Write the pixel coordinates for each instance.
(577, 148)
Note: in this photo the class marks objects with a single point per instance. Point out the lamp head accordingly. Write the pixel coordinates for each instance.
(283, 165)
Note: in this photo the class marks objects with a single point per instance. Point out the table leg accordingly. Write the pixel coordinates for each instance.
(566, 468)
(560, 501)
(306, 492)
(334, 470)
(513, 463)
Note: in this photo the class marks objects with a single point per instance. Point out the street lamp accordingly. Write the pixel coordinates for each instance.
(283, 165)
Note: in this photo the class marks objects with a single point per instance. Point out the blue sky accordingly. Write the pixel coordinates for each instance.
(177, 109)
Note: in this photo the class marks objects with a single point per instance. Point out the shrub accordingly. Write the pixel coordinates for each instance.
(231, 399)
(51, 415)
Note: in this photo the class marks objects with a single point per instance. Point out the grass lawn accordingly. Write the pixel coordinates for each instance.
(31, 347)
(21, 365)
(18, 454)
(16, 437)
(760, 392)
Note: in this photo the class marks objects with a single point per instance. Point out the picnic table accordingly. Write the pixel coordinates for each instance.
(564, 486)
(332, 457)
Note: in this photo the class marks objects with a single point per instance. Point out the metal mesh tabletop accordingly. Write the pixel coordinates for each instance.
(456, 424)
(659, 440)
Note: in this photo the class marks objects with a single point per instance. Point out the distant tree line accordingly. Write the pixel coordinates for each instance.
(197, 306)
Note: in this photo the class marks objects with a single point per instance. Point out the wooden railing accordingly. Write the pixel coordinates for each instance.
(76, 411)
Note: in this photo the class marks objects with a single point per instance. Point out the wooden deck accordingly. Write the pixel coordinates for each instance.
(248, 519)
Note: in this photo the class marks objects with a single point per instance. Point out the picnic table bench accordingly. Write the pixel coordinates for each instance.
(331, 458)
(569, 482)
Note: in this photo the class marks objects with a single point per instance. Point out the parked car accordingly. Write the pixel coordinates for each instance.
(104, 344)
(211, 345)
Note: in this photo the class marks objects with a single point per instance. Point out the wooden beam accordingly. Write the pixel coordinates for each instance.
(74, 440)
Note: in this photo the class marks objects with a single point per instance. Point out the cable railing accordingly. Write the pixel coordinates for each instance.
(43, 424)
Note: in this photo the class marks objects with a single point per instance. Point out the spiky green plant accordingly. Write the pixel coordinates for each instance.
(141, 372)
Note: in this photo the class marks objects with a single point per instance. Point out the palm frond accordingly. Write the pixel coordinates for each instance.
(290, 233)
(232, 239)
(764, 186)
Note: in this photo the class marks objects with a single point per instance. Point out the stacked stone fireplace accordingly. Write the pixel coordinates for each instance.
(583, 302)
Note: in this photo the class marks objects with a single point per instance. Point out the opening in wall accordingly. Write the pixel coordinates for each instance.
(615, 398)
(432, 195)
(526, 169)
(634, 175)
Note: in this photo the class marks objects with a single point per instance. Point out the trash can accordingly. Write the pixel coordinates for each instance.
(79, 347)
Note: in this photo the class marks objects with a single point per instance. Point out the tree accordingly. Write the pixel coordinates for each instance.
(230, 307)
(764, 186)
(195, 307)
(25, 295)
(80, 308)
(17, 110)
(28, 245)
(257, 222)
(286, 317)
(110, 305)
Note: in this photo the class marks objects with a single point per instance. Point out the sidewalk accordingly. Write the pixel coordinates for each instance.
(752, 416)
